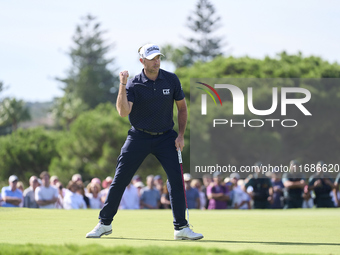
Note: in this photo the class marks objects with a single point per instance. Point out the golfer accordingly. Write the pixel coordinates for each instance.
(148, 100)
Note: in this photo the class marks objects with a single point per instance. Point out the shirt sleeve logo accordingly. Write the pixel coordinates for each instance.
(166, 91)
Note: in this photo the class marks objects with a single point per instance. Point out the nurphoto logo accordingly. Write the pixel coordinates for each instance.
(235, 122)
(239, 102)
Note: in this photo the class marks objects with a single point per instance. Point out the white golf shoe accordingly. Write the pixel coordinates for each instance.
(187, 234)
(99, 230)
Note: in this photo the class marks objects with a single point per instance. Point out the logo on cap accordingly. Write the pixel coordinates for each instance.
(152, 49)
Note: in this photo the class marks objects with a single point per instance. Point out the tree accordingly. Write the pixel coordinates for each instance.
(180, 56)
(67, 108)
(27, 152)
(90, 78)
(12, 112)
(203, 22)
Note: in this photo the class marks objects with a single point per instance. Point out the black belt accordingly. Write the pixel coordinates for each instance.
(152, 133)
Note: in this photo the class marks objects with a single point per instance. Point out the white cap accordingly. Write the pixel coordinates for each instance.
(13, 178)
(149, 51)
(109, 179)
(76, 177)
(139, 185)
(186, 177)
(53, 178)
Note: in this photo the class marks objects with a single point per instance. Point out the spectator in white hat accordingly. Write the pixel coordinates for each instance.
(11, 195)
(139, 185)
(193, 196)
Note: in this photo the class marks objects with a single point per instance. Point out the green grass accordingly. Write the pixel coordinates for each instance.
(36, 231)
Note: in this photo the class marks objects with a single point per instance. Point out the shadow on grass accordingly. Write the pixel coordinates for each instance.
(223, 241)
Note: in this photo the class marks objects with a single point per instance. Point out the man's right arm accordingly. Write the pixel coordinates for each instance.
(123, 105)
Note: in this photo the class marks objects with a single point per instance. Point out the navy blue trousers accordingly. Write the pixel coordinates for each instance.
(137, 146)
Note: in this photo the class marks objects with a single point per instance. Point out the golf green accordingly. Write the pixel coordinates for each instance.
(302, 231)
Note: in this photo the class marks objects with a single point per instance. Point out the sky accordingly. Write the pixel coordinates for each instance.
(35, 35)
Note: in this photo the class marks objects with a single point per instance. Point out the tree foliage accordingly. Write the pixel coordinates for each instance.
(282, 65)
(67, 108)
(90, 80)
(27, 152)
(12, 112)
(180, 56)
(204, 46)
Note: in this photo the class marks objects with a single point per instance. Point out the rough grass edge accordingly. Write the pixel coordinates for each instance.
(72, 249)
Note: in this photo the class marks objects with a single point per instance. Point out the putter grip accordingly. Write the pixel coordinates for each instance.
(179, 156)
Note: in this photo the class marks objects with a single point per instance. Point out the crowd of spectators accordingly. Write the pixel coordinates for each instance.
(272, 190)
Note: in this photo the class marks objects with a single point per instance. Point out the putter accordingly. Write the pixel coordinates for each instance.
(185, 195)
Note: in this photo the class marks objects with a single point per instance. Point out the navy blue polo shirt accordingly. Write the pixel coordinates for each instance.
(153, 101)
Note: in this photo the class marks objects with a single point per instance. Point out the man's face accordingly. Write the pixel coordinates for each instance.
(234, 180)
(74, 188)
(46, 180)
(34, 183)
(158, 181)
(13, 185)
(206, 181)
(149, 182)
(153, 65)
(217, 179)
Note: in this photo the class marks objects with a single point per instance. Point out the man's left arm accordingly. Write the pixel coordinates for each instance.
(182, 123)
